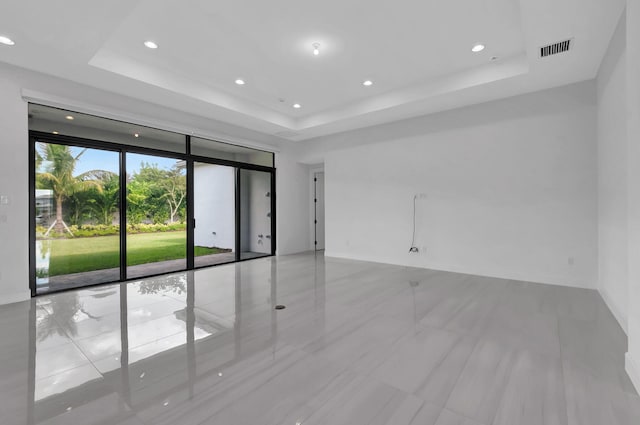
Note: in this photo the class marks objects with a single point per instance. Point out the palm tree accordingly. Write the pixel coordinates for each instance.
(105, 203)
(60, 166)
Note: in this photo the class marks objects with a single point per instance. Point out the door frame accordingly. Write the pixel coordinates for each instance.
(318, 168)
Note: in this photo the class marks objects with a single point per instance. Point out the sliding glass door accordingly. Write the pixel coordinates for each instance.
(113, 201)
(77, 229)
(156, 215)
(255, 214)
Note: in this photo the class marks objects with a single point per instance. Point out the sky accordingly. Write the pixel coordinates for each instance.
(94, 159)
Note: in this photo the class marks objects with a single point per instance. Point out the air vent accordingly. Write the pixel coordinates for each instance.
(554, 49)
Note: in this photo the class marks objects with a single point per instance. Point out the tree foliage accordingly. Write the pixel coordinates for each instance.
(154, 195)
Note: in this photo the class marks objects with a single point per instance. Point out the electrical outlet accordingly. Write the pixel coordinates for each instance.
(4, 200)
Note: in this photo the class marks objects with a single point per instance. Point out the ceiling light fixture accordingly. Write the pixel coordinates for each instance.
(6, 40)
(367, 83)
(136, 135)
(316, 49)
(477, 48)
(55, 132)
(150, 44)
(297, 105)
(240, 82)
(70, 117)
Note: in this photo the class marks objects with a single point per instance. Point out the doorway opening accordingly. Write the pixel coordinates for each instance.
(318, 218)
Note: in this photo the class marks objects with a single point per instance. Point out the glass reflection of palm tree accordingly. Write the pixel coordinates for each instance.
(60, 321)
(63, 317)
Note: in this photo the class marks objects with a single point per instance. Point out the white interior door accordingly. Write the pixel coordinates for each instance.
(319, 206)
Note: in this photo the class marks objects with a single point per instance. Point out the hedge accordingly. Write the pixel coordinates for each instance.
(92, 230)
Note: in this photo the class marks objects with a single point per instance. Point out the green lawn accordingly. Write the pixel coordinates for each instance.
(103, 252)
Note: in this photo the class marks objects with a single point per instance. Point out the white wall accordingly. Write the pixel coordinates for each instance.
(510, 185)
(612, 176)
(293, 213)
(633, 187)
(14, 183)
(214, 205)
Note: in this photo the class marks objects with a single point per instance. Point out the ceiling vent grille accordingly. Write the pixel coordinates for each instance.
(555, 48)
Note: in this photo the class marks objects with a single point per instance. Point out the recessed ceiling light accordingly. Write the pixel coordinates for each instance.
(297, 105)
(477, 48)
(70, 117)
(367, 83)
(136, 135)
(316, 49)
(150, 44)
(6, 40)
(55, 132)
(240, 82)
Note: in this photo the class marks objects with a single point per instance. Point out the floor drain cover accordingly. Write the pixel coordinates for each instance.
(280, 307)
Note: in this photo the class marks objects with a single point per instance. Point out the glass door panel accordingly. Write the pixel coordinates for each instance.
(156, 215)
(255, 214)
(214, 209)
(76, 219)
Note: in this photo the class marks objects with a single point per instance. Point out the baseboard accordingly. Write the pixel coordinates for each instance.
(15, 298)
(633, 371)
(499, 274)
(621, 318)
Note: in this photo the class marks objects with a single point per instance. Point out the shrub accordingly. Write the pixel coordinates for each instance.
(93, 230)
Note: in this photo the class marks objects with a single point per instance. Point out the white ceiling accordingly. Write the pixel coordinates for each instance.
(418, 53)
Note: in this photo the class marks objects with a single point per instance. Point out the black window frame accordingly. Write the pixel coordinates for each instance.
(39, 136)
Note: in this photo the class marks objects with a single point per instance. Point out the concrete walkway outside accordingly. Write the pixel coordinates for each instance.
(76, 280)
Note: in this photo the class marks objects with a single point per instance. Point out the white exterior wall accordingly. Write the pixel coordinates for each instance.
(255, 206)
(214, 206)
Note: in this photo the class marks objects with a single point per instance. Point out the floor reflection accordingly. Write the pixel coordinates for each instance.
(358, 343)
(127, 345)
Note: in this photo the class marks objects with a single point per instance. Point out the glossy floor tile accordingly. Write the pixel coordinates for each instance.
(358, 343)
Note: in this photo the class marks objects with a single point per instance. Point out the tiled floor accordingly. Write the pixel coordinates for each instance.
(358, 343)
